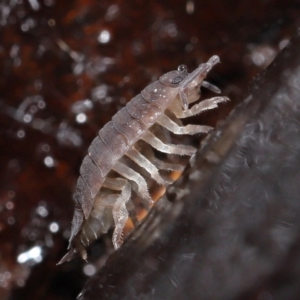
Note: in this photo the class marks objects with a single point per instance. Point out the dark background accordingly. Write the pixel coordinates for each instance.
(54, 55)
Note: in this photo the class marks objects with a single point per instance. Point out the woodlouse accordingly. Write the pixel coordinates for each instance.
(103, 171)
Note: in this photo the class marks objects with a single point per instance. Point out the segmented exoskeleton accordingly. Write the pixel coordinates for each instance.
(103, 192)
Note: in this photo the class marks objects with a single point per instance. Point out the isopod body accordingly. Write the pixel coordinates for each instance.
(103, 191)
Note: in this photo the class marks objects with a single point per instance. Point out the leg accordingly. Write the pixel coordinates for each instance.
(200, 107)
(119, 210)
(210, 87)
(143, 162)
(130, 174)
(166, 122)
(100, 219)
(151, 139)
(161, 165)
(117, 184)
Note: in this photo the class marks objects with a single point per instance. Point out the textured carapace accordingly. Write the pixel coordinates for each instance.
(103, 193)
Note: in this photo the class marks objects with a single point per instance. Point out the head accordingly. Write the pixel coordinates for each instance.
(188, 83)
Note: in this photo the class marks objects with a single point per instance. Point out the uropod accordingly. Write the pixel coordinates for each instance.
(103, 195)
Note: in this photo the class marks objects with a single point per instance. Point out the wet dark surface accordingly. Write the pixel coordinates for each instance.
(67, 67)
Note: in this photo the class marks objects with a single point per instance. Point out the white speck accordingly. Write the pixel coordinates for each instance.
(89, 270)
(81, 118)
(78, 69)
(20, 282)
(88, 103)
(24, 27)
(41, 104)
(258, 59)
(155, 90)
(171, 29)
(21, 134)
(263, 55)
(49, 162)
(34, 4)
(42, 211)
(190, 7)
(51, 22)
(46, 148)
(99, 92)
(104, 37)
(28, 24)
(112, 12)
(27, 118)
(53, 227)
(32, 254)
(81, 106)
(14, 51)
(283, 43)
(9, 205)
(11, 221)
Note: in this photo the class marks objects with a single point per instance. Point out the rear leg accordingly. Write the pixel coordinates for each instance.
(116, 184)
(119, 210)
(130, 174)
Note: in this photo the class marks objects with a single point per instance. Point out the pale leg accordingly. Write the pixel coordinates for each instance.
(130, 174)
(156, 143)
(161, 165)
(143, 162)
(119, 211)
(166, 122)
(199, 107)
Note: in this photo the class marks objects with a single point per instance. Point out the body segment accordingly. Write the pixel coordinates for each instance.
(103, 172)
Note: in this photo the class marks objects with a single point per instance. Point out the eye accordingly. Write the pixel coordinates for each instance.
(177, 80)
(182, 69)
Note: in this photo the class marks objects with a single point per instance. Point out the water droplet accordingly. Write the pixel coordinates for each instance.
(112, 12)
(32, 254)
(81, 118)
(21, 134)
(104, 37)
(53, 227)
(46, 148)
(11, 221)
(9, 205)
(49, 161)
(51, 22)
(41, 104)
(190, 7)
(42, 211)
(89, 270)
(27, 118)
